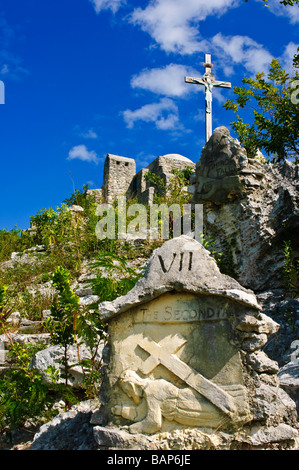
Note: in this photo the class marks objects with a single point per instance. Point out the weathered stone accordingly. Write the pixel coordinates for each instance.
(258, 324)
(26, 338)
(218, 171)
(176, 357)
(285, 311)
(249, 207)
(54, 355)
(259, 436)
(70, 430)
(89, 300)
(75, 208)
(289, 380)
(261, 363)
(254, 342)
(14, 319)
(120, 176)
(175, 267)
(83, 291)
(120, 439)
(272, 404)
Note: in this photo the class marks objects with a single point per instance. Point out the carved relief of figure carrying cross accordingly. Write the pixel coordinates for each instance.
(209, 82)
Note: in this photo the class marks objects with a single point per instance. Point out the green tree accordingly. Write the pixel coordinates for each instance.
(64, 312)
(118, 278)
(283, 2)
(273, 102)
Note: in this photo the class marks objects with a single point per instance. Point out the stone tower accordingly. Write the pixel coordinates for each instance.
(118, 175)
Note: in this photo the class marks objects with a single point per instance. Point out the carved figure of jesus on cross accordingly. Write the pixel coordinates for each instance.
(209, 82)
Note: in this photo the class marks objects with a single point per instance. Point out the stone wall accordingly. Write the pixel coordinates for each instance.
(120, 176)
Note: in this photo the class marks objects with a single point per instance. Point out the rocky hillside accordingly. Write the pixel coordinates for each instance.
(52, 279)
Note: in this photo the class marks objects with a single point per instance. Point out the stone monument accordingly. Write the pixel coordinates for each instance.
(184, 367)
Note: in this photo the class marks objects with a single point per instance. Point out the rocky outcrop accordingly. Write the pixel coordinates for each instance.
(250, 208)
(54, 356)
(70, 430)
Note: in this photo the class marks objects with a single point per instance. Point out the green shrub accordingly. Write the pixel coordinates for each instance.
(15, 240)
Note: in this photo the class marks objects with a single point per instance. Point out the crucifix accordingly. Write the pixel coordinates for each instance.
(209, 82)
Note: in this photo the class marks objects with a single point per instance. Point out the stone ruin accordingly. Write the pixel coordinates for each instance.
(120, 177)
(184, 366)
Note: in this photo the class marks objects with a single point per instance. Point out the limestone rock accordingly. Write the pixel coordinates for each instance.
(121, 439)
(284, 311)
(53, 356)
(70, 430)
(260, 437)
(88, 300)
(249, 207)
(176, 266)
(262, 363)
(289, 380)
(76, 209)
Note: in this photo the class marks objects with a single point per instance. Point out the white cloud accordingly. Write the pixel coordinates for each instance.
(80, 152)
(143, 160)
(174, 24)
(291, 12)
(168, 80)
(242, 50)
(86, 134)
(90, 134)
(10, 63)
(286, 60)
(4, 70)
(163, 114)
(112, 5)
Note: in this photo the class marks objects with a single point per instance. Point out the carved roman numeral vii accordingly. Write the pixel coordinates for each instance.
(181, 262)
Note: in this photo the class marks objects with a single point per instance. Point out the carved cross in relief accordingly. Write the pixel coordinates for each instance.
(209, 82)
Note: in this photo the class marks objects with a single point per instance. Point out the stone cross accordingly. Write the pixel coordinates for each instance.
(209, 82)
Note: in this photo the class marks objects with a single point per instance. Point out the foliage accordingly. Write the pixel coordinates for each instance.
(158, 181)
(209, 243)
(64, 312)
(86, 232)
(67, 234)
(69, 324)
(23, 393)
(290, 270)
(283, 2)
(14, 240)
(275, 114)
(174, 191)
(118, 278)
(5, 312)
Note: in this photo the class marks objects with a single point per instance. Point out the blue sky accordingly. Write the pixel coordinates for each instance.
(84, 78)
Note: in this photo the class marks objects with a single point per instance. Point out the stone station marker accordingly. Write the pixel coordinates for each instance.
(184, 366)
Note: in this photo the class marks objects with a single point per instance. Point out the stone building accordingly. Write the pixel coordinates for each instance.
(120, 177)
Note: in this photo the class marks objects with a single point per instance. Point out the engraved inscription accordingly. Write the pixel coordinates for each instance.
(176, 315)
(181, 262)
(163, 265)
